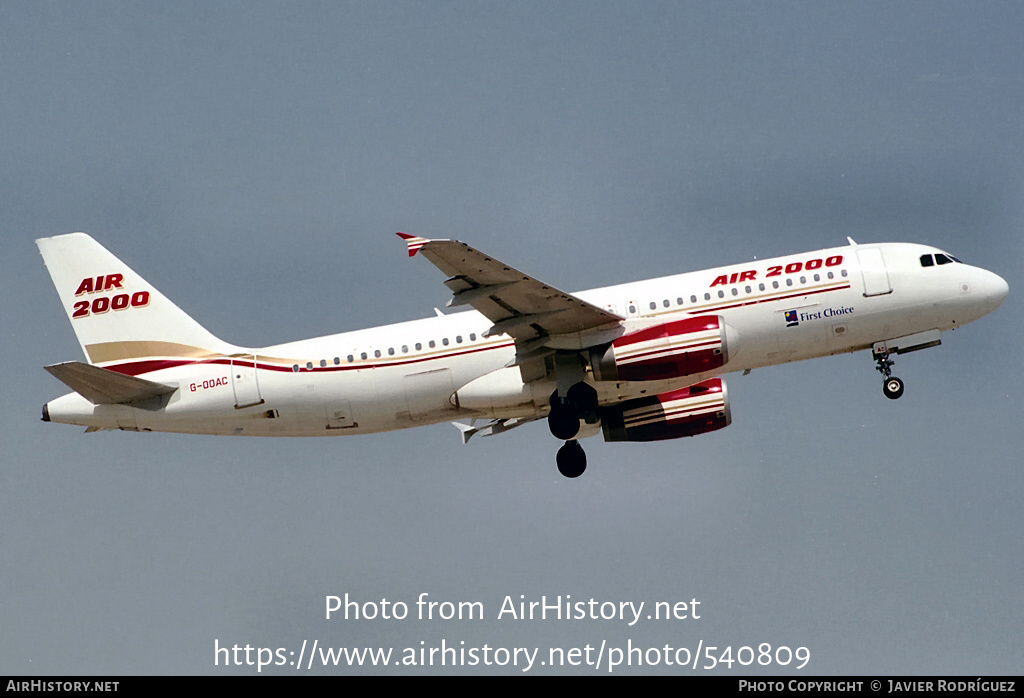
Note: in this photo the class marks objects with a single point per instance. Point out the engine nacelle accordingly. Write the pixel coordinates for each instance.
(696, 409)
(668, 350)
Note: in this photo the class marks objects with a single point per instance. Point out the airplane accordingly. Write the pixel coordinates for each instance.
(639, 361)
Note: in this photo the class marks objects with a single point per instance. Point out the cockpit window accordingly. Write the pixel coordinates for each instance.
(928, 260)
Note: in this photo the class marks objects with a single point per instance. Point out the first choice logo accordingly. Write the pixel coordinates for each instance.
(794, 318)
(101, 304)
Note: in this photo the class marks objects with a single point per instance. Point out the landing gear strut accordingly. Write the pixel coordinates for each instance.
(571, 459)
(892, 386)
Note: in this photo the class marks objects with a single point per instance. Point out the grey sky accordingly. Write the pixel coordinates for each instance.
(253, 161)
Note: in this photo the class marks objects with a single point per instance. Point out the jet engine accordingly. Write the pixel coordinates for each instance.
(668, 350)
(696, 409)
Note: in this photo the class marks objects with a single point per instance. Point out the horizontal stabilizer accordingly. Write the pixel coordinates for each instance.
(102, 386)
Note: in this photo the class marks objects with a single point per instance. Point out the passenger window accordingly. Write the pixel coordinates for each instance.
(760, 287)
(707, 296)
(775, 284)
(735, 291)
(653, 305)
(376, 353)
(363, 356)
(789, 282)
(350, 358)
(721, 294)
(295, 368)
(432, 344)
(391, 351)
(458, 339)
(679, 301)
(309, 365)
(418, 346)
(472, 336)
(665, 303)
(444, 341)
(693, 299)
(323, 363)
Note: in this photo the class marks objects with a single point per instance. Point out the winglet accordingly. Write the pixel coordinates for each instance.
(414, 243)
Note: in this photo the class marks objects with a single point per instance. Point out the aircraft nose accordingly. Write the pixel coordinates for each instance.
(988, 290)
(993, 288)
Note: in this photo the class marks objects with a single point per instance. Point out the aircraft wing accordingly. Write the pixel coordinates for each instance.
(519, 305)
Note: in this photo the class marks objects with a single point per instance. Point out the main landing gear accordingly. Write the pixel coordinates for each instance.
(571, 459)
(892, 386)
(566, 416)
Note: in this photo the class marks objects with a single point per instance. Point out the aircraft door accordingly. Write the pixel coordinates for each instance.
(245, 382)
(872, 268)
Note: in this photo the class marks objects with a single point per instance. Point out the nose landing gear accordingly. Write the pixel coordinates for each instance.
(892, 387)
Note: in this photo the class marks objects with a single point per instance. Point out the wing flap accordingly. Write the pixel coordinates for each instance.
(495, 426)
(102, 386)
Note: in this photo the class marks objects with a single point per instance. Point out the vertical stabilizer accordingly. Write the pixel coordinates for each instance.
(118, 316)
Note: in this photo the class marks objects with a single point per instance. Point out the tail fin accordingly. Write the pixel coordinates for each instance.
(116, 315)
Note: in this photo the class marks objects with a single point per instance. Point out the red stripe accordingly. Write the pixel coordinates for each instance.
(672, 351)
(671, 328)
(135, 368)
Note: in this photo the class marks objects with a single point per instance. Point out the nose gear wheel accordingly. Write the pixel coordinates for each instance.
(892, 387)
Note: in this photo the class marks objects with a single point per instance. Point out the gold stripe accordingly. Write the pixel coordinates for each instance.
(119, 351)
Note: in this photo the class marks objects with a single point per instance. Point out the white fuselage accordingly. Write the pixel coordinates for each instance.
(410, 374)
